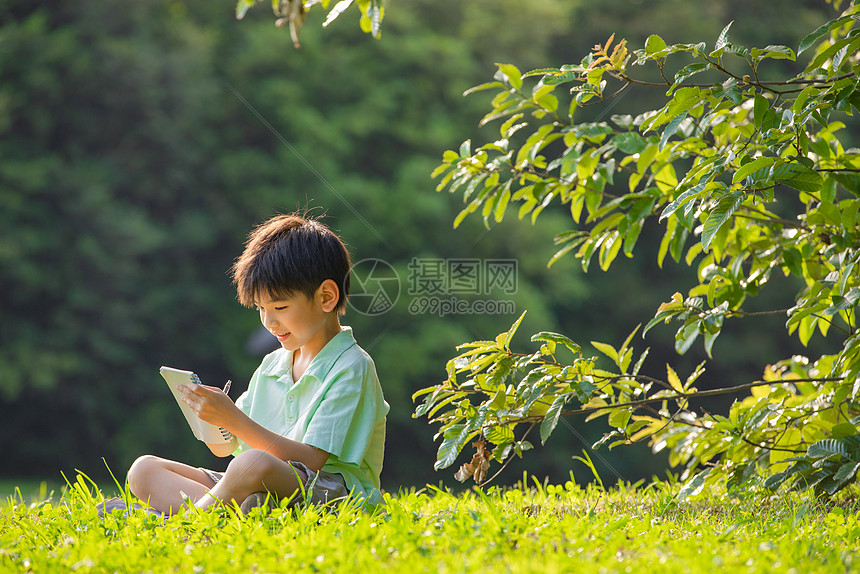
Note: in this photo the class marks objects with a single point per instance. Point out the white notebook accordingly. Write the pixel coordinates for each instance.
(204, 431)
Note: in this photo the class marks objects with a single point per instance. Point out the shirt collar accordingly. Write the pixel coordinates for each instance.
(282, 367)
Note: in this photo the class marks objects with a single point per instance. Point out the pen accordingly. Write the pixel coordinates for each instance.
(224, 432)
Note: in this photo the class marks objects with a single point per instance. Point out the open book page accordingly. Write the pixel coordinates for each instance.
(204, 431)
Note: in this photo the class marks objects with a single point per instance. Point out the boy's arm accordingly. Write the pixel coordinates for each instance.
(213, 406)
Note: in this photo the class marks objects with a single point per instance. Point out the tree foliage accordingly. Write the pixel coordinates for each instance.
(292, 13)
(747, 169)
(142, 142)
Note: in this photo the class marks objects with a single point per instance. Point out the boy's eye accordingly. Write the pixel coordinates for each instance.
(260, 309)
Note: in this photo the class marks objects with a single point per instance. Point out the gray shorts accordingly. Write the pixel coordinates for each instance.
(320, 487)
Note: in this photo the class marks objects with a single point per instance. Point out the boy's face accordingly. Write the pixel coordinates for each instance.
(296, 321)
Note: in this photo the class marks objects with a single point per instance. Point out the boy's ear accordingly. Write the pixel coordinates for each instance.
(329, 295)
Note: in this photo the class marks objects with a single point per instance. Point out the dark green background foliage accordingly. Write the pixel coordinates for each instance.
(139, 142)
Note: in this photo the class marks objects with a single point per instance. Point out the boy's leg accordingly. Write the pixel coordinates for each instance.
(253, 471)
(159, 481)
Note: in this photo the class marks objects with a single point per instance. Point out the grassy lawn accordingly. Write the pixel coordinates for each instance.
(29, 489)
(540, 529)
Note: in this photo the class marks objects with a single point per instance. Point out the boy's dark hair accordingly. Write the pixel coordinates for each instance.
(291, 254)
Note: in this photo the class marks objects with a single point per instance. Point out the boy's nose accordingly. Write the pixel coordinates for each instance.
(269, 321)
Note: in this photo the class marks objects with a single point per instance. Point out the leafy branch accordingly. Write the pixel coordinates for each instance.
(705, 166)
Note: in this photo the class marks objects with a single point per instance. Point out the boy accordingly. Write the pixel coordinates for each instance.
(313, 417)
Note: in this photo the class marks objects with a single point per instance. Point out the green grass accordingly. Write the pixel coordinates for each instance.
(29, 489)
(545, 528)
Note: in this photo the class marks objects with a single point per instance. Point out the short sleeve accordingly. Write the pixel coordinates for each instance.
(346, 417)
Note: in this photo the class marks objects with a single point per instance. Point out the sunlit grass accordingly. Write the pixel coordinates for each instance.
(542, 528)
(29, 489)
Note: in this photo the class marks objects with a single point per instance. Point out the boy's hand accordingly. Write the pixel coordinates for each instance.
(211, 404)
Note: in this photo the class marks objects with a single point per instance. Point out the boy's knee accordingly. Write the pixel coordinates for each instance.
(252, 466)
(141, 471)
(249, 463)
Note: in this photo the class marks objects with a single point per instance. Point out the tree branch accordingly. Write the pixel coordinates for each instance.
(676, 396)
(509, 459)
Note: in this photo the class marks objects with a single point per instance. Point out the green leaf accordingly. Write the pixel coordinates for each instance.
(595, 130)
(500, 434)
(606, 438)
(798, 176)
(338, 9)
(694, 486)
(709, 342)
(690, 70)
(609, 249)
(760, 108)
(827, 447)
(793, 261)
(728, 90)
(550, 420)
(840, 303)
(466, 149)
(454, 439)
(508, 129)
(484, 86)
(502, 205)
(683, 100)
(686, 196)
(242, 7)
(512, 73)
(607, 350)
(375, 12)
(843, 430)
(619, 418)
(723, 38)
(547, 101)
(641, 209)
(850, 43)
(846, 472)
(671, 129)
(750, 167)
(773, 52)
(828, 190)
(685, 337)
(679, 241)
(466, 211)
(660, 318)
(726, 206)
(813, 37)
(631, 238)
(630, 142)
(450, 156)
(557, 338)
(654, 44)
(558, 77)
(506, 338)
(541, 72)
(673, 379)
